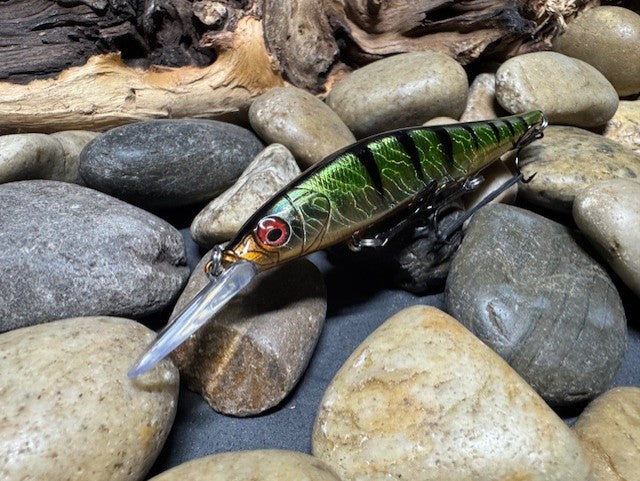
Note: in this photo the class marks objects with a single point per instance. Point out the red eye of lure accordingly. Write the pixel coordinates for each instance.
(273, 231)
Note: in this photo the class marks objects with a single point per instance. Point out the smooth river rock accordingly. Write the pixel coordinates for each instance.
(41, 156)
(481, 101)
(422, 398)
(609, 430)
(568, 91)
(301, 122)
(261, 465)
(252, 354)
(400, 91)
(272, 169)
(567, 160)
(608, 213)
(168, 163)
(608, 38)
(525, 287)
(69, 412)
(624, 126)
(71, 251)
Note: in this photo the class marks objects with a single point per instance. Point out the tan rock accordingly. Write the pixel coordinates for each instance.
(567, 160)
(400, 91)
(68, 409)
(301, 122)
(252, 353)
(73, 141)
(568, 91)
(271, 170)
(422, 398)
(624, 127)
(262, 465)
(481, 101)
(608, 213)
(609, 429)
(608, 38)
(30, 156)
(440, 121)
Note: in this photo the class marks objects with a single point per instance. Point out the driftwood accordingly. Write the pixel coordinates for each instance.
(254, 45)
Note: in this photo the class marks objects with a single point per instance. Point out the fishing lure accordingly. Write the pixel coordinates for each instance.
(388, 179)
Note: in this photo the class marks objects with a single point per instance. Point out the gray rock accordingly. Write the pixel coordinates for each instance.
(70, 251)
(252, 354)
(272, 169)
(567, 160)
(301, 122)
(481, 101)
(168, 163)
(608, 38)
(608, 213)
(69, 411)
(568, 91)
(400, 91)
(523, 285)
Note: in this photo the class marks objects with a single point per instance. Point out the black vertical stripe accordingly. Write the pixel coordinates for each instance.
(366, 158)
(510, 127)
(409, 146)
(472, 133)
(447, 143)
(495, 129)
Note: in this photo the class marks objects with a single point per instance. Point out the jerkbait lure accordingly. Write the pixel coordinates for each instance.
(396, 176)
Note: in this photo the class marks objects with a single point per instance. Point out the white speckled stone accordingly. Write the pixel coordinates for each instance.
(624, 126)
(608, 213)
(69, 412)
(422, 398)
(272, 169)
(568, 91)
(609, 430)
(262, 465)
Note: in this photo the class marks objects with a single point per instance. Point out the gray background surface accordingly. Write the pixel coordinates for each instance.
(358, 302)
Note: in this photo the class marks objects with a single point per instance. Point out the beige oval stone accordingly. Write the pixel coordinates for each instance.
(440, 121)
(299, 121)
(481, 101)
(624, 127)
(568, 91)
(609, 429)
(248, 357)
(261, 465)
(68, 409)
(272, 169)
(30, 156)
(423, 398)
(72, 141)
(608, 38)
(400, 91)
(608, 213)
(567, 160)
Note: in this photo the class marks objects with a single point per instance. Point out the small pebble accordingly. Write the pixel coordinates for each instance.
(422, 398)
(608, 213)
(263, 465)
(72, 251)
(272, 169)
(69, 410)
(301, 122)
(609, 430)
(608, 38)
(481, 101)
(440, 121)
(168, 163)
(568, 91)
(568, 160)
(624, 127)
(522, 284)
(252, 353)
(400, 91)
(494, 177)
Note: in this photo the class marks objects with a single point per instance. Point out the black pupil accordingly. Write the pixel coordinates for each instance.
(274, 234)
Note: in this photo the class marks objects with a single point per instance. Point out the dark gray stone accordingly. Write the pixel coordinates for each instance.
(526, 288)
(71, 251)
(168, 163)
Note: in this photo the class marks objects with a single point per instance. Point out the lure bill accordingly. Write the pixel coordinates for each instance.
(346, 194)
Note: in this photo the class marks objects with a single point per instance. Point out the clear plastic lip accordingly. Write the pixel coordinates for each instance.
(213, 297)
